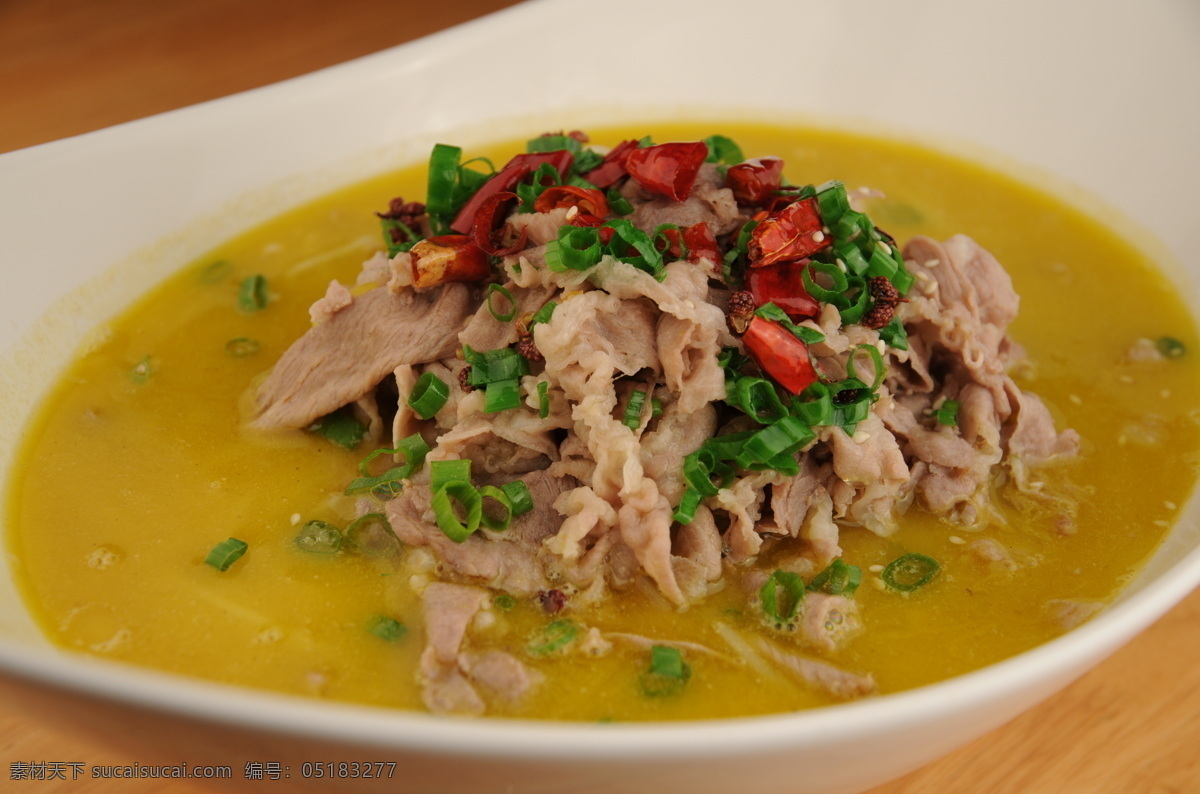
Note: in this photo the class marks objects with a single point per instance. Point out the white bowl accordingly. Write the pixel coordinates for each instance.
(1101, 103)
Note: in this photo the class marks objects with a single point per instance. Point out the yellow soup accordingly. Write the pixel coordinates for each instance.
(139, 463)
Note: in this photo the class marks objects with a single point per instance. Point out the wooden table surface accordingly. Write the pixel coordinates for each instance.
(69, 66)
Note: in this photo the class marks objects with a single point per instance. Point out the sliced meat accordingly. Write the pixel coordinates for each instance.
(343, 358)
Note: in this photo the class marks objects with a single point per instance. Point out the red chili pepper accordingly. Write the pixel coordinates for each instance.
(448, 257)
(612, 167)
(783, 285)
(668, 169)
(795, 232)
(586, 219)
(702, 244)
(588, 200)
(506, 179)
(780, 354)
(490, 218)
(754, 182)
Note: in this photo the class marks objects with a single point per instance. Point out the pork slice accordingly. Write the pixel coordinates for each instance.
(709, 202)
(448, 610)
(678, 434)
(485, 332)
(1032, 437)
(823, 676)
(499, 674)
(343, 358)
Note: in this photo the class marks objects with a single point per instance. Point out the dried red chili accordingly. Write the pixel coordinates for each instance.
(783, 285)
(780, 354)
(588, 200)
(795, 232)
(702, 244)
(754, 182)
(490, 219)
(448, 257)
(668, 169)
(612, 167)
(504, 180)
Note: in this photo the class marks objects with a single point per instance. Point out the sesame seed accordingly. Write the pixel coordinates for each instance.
(933, 263)
(887, 249)
(818, 236)
(1075, 399)
(572, 212)
(1161, 523)
(1125, 379)
(956, 540)
(1121, 440)
(861, 436)
(295, 519)
(1170, 505)
(875, 569)
(1165, 393)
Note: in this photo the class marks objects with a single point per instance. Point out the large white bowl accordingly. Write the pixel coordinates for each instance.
(1096, 99)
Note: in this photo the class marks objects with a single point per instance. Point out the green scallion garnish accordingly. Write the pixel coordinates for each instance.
(909, 572)
(554, 636)
(687, 506)
(340, 427)
(498, 289)
(618, 204)
(543, 393)
(781, 596)
(488, 366)
(502, 395)
(319, 537)
(496, 524)
(722, 149)
(839, 578)
(471, 502)
(215, 272)
(388, 485)
(543, 314)
(226, 553)
(428, 396)
(445, 471)
(386, 628)
(373, 534)
(252, 295)
(1170, 347)
(575, 248)
(519, 496)
(633, 409)
(668, 672)
(947, 413)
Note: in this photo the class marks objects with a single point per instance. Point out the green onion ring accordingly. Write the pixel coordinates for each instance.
(910, 572)
(499, 289)
(443, 509)
(429, 394)
(492, 492)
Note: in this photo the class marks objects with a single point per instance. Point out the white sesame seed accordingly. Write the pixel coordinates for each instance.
(572, 212)
(841, 266)
(1170, 505)
(1122, 440)
(1165, 393)
(1161, 523)
(875, 568)
(1125, 379)
(295, 519)
(933, 263)
(887, 249)
(861, 437)
(956, 540)
(1075, 399)
(818, 236)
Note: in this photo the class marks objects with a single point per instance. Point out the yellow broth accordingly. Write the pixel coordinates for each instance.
(139, 463)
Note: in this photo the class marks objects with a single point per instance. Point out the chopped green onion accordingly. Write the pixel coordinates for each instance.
(498, 289)
(387, 485)
(855, 310)
(226, 553)
(241, 347)
(1170, 347)
(894, 334)
(723, 150)
(543, 393)
(373, 534)
(814, 405)
(839, 578)
(386, 628)
(698, 472)
(836, 295)
(496, 495)
(340, 427)
(758, 398)
(252, 295)
(443, 177)
(781, 596)
(687, 507)
(428, 396)
(504, 601)
(618, 204)
(882, 264)
(902, 280)
(489, 366)
(910, 572)
(810, 336)
(876, 360)
(947, 413)
(666, 235)
(502, 395)
(783, 438)
(633, 409)
(545, 176)
(519, 496)
(443, 509)
(543, 314)
(585, 161)
(553, 143)
(553, 637)
(833, 201)
(442, 472)
(319, 537)
(668, 672)
(631, 245)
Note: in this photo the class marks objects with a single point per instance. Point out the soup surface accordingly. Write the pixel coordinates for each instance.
(141, 461)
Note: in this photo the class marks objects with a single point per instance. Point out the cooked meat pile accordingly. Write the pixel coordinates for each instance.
(712, 364)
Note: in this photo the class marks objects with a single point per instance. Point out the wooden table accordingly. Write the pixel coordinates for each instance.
(70, 66)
